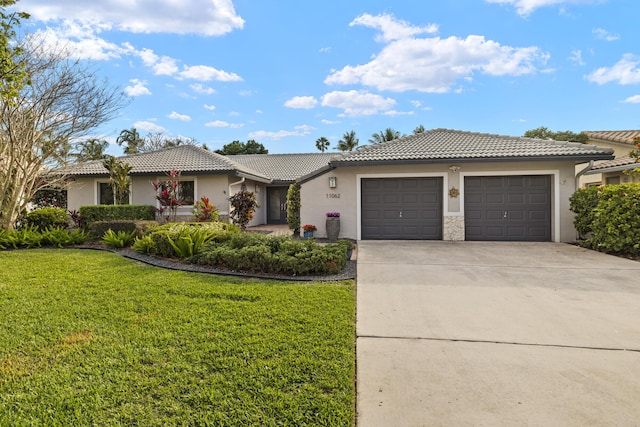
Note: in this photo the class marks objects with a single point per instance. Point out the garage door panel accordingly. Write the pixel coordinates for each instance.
(408, 208)
(513, 208)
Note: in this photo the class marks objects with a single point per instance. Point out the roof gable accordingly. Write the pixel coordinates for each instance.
(284, 167)
(452, 145)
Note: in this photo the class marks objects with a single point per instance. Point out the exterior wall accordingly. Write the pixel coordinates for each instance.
(81, 192)
(317, 198)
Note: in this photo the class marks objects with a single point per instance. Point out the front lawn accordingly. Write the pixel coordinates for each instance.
(90, 338)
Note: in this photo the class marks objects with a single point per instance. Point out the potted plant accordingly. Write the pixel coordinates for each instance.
(349, 247)
(333, 226)
(308, 230)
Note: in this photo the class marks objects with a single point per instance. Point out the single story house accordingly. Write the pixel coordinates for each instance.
(440, 184)
(621, 141)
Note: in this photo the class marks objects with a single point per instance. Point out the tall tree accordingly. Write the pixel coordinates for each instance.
(419, 129)
(158, 140)
(348, 142)
(237, 147)
(322, 144)
(385, 135)
(567, 135)
(13, 75)
(132, 140)
(90, 149)
(64, 102)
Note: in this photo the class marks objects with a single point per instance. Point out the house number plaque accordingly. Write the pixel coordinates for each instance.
(333, 195)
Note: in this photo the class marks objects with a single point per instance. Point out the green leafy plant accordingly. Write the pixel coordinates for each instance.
(169, 195)
(583, 203)
(293, 208)
(118, 178)
(190, 241)
(8, 239)
(144, 244)
(117, 212)
(616, 224)
(28, 237)
(243, 204)
(204, 211)
(45, 218)
(121, 239)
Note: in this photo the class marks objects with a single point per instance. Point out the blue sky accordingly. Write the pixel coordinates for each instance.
(288, 72)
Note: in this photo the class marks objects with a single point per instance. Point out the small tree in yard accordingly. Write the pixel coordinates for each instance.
(204, 210)
(119, 179)
(169, 195)
(293, 208)
(243, 205)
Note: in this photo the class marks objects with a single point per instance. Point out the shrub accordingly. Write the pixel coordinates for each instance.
(144, 244)
(203, 211)
(121, 239)
(583, 203)
(117, 212)
(293, 208)
(163, 235)
(46, 218)
(275, 255)
(244, 204)
(616, 222)
(7, 239)
(98, 228)
(63, 237)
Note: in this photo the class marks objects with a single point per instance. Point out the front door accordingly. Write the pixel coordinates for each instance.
(277, 205)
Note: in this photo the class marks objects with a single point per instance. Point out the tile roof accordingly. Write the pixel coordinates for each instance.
(619, 164)
(619, 136)
(184, 158)
(284, 167)
(446, 145)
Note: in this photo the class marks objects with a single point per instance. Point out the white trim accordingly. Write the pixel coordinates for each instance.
(359, 177)
(555, 235)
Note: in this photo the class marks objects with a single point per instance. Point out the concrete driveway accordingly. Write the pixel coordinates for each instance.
(476, 333)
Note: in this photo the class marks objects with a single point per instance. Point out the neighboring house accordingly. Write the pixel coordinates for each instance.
(440, 184)
(621, 141)
(616, 171)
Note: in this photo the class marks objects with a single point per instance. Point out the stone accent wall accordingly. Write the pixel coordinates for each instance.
(453, 228)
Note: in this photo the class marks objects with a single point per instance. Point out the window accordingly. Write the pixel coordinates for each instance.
(105, 194)
(186, 192)
(610, 180)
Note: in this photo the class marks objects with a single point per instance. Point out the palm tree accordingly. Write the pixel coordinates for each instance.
(386, 135)
(322, 144)
(118, 178)
(348, 142)
(132, 138)
(91, 149)
(419, 129)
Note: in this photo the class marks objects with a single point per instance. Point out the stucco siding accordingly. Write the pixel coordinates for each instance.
(317, 198)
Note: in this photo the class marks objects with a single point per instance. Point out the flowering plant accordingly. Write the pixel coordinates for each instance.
(333, 214)
(309, 227)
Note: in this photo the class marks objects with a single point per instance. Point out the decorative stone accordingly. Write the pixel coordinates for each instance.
(453, 228)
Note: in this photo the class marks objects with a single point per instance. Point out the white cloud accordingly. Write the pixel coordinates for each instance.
(394, 113)
(635, 99)
(358, 103)
(80, 42)
(624, 72)
(209, 107)
(526, 7)
(416, 104)
(138, 88)
(302, 102)
(435, 64)
(207, 17)
(197, 87)
(329, 122)
(302, 130)
(576, 57)
(148, 126)
(603, 34)
(392, 28)
(178, 116)
(325, 49)
(206, 73)
(223, 124)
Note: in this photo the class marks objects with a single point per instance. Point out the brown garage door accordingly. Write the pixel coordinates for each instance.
(508, 208)
(402, 208)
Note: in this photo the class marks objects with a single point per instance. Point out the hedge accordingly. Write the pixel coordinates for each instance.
(47, 218)
(97, 228)
(117, 212)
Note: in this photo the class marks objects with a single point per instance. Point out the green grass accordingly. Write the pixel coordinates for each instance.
(90, 338)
